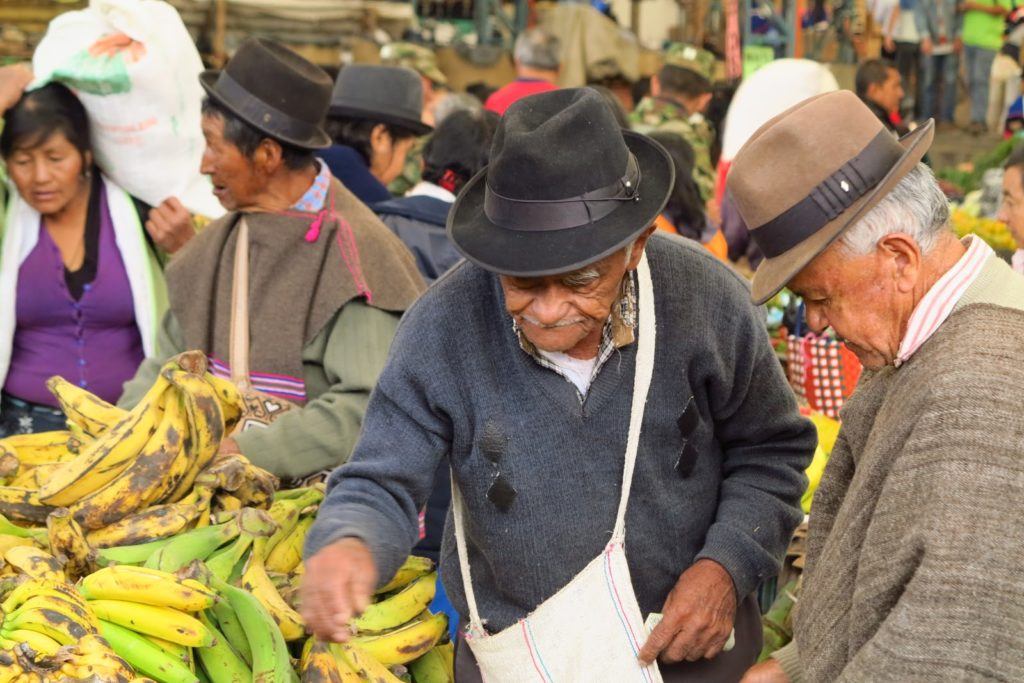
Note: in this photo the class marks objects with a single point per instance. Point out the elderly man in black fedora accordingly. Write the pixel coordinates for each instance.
(326, 280)
(374, 120)
(913, 568)
(622, 441)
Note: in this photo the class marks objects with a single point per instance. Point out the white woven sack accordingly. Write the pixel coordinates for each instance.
(136, 69)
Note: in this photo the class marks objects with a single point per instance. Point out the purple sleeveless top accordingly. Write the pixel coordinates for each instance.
(93, 342)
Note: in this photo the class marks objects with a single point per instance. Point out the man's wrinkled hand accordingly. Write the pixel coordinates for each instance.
(170, 225)
(338, 585)
(768, 671)
(697, 618)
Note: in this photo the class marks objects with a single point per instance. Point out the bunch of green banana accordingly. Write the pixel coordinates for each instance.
(145, 656)
(268, 651)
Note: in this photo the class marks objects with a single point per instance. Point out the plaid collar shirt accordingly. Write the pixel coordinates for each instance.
(619, 331)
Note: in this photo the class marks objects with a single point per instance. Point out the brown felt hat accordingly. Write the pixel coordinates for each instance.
(811, 172)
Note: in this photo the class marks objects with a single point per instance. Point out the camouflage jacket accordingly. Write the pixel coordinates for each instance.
(412, 171)
(660, 115)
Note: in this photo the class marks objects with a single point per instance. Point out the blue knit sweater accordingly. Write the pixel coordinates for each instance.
(458, 386)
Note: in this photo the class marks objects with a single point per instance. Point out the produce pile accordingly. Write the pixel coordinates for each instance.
(132, 551)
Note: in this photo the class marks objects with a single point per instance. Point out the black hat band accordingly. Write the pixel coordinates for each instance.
(830, 198)
(264, 116)
(543, 215)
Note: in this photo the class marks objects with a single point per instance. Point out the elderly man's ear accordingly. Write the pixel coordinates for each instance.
(903, 258)
(638, 248)
(268, 157)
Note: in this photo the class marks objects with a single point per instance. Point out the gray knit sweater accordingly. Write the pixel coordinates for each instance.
(916, 544)
(458, 386)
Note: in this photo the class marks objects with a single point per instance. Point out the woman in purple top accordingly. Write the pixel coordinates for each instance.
(81, 283)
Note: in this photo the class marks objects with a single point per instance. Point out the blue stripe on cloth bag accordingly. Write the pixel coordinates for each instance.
(531, 645)
(613, 593)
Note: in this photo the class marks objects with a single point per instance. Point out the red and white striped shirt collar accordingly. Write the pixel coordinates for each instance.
(938, 303)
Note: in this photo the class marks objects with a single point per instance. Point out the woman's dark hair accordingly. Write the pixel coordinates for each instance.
(355, 133)
(459, 148)
(685, 209)
(41, 113)
(247, 138)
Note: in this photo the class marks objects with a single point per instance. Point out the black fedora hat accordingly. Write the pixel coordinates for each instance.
(389, 94)
(276, 91)
(565, 187)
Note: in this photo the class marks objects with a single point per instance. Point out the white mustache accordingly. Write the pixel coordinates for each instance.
(552, 326)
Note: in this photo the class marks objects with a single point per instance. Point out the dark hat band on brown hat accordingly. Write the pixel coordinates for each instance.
(266, 115)
(532, 215)
(831, 197)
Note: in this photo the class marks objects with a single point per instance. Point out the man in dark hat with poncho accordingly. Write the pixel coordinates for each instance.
(327, 280)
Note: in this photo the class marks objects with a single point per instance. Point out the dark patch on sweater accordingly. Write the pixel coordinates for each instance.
(494, 442)
(501, 493)
(688, 423)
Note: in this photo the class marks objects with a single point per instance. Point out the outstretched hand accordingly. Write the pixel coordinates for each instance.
(338, 585)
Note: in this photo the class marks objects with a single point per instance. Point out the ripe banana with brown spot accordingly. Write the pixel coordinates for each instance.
(206, 424)
(163, 622)
(92, 659)
(151, 524)
(147, 586)
(231, 401)
(42, 448)
(131, 490)
(287, 553)
(68, 542)
(413, 568)
(35, 563)
(406, 643)
(23, 505)
(256, 581)
(319, 665)
(363, 663)
(86, 410)
(109, 455)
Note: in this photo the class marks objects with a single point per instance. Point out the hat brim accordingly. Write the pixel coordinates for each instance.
(416, 126)
(773, 274)
(535, 254)
(208, 79)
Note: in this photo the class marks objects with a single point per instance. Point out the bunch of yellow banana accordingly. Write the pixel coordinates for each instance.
(90, 659)
(126, 461)
(46, 615)
(150, 602)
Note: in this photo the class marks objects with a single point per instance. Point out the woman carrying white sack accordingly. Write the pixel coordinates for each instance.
(81, 261)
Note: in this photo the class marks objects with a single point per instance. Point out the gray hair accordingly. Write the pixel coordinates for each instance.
(453, 102)
(538, 48)
(916, 207)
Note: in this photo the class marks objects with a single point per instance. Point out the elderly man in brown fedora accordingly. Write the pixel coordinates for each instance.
(914, 553)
